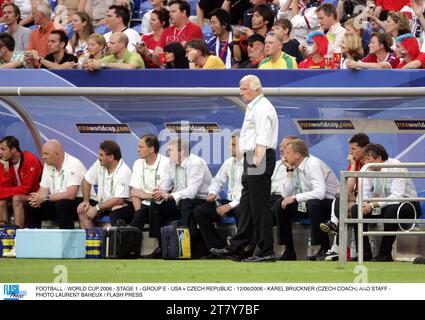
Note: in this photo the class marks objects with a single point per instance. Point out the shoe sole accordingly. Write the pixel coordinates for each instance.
(328, 230)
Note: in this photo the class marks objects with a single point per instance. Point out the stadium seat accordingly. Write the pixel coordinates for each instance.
(208, 34)
(135, 8)
(3, 27)
(144, 7)
(102, 29)
(69, 30)
(193, 4)
(53, 4)
(137, 27)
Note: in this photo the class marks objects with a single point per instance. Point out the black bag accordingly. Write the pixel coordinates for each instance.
(175, 243)
(121, 242)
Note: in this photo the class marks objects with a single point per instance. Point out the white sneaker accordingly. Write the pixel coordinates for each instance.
(331, 256)
(11, 253)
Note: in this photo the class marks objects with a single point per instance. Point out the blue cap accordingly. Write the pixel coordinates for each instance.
(404, 36)
(313, 34)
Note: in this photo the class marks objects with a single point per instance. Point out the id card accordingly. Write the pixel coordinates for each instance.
(376, 211)
(302, 207)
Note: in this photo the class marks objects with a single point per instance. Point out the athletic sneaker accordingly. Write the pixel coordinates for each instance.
(329, 228)
(11, 253)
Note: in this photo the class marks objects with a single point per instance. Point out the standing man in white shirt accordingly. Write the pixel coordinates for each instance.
(309, 191)
(60, 188)
(183, 187)
(258, 143)
(385, 188)
(112, 176)
(215, 209)
(147, 173)
(327, 17)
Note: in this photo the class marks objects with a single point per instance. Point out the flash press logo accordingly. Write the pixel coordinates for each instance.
(12, 292)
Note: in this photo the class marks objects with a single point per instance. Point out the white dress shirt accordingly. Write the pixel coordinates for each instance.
(114, 185)
(313, 179)
(389, 187)
(229, 173)
(189, 180)
(71, 174)
(260, 126)
(146, 177)
(278, 178)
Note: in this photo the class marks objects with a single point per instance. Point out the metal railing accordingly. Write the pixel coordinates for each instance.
(343, 206)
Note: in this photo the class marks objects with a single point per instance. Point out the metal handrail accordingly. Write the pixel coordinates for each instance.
(343, 221)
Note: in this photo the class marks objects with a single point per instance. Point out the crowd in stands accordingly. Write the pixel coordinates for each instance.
(206, 34)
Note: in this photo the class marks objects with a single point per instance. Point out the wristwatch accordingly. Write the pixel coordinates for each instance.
(289, 169)
(103, 65)
(47, 197)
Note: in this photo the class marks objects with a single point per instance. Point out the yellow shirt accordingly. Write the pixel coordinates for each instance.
(281, 63)
(214, 62)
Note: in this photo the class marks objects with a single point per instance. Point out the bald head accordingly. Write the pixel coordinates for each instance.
(53, 154)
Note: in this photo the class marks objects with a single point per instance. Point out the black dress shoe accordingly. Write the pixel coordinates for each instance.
(156, 254)
(270, 258)
(210, 256)
(383, 258)
(367, 256)
(319, 256)
(329, 228)
(288, 256)
(419, 260)
(227, 253)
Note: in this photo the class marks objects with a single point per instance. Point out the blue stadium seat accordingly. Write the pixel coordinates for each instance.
(144, 7)
(53, 4)
(3, 27)
(137, 27)
(228, 220)
(136, 8)
(208, 33)
(69, 30)
(104, 219)
(193, 4)
(102, 29)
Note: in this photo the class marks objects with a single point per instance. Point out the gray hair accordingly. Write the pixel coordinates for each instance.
(44, 7)
(253, 81)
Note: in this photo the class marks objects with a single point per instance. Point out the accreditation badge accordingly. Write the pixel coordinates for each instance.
(376, 211)
(302, 207)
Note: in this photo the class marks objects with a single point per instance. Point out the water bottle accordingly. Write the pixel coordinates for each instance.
(309, 248)
(353, 249)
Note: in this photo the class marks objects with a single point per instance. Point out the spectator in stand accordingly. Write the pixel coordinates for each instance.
(175, 55)
(396, 24)
(160, 19)
(384, 6)
(60, 189)
(408, 52)
(316, 48)
(119, 56)
(282, 28)
(351, 49)
(351, 27)
(25, 172)
(262, 22)
(181, 30)
(65, 10)
(302, 14)
(222, 42)
(9, 57)
(40, 36)
(157, 5)
(249, 14)
(381, 55)
(97, 9)
(276, 58)
(117, 20)
(83, 28)
(27, 11)
(12, 17)
(199, 56)
(204, 9)
(96, 46)
(327, 17)
(57, 58)
(255, 52)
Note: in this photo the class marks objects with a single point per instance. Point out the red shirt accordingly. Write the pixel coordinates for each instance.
(392, 5)
(310, 64)
(29, 172)
(391, 59)
(420, 57)
(188, 32)
(5, 177)
(151, 44)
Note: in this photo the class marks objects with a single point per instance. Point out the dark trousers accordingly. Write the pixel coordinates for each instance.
(141, 217)
(255, 225)
(125, 213)
(64, 211)
(160, 215)
(388, 212)
(317, 210)
(206, 215)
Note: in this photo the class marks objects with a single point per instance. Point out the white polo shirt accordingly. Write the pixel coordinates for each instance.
(114, 185)
(71, 174)
(146, 177)
(260, 125)
(229, 173)
(189, 180)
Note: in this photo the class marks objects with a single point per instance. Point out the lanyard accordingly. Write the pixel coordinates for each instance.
(156, 173)
(111, 188)
(232, 181)
(297, 178)
(258, 100)
(177, 177)
(62, 177)
(176, 37)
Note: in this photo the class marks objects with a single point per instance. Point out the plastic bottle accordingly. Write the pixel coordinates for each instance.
(353, 249)
(309, 248)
